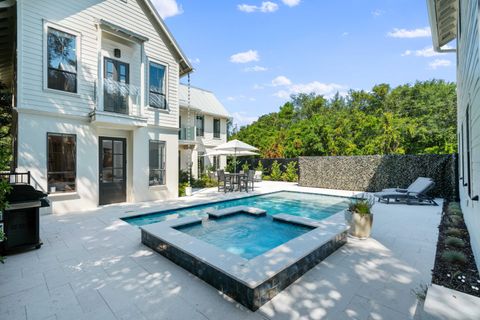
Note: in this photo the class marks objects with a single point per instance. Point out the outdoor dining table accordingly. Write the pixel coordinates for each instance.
(235, 178)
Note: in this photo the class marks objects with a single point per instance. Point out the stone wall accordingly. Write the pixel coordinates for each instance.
(374, 173)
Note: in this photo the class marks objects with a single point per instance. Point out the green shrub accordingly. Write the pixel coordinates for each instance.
(276, 173)
(454, 205)
(266, 178)
(290, 173)
(231, 164)
(181, 189)
(183, 176)
(454, 212)
(245, 167)
(455, 232)
(454, 242)
(454, 221)
(453, 256)
(259, 166)
(361, 206)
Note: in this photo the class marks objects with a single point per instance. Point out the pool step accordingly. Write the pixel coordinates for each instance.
(216, 214)
(285, 217)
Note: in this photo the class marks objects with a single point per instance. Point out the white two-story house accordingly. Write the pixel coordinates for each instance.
(203, 126)
(96, 100)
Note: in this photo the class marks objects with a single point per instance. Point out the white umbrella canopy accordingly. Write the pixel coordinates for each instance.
(236, 148)
(229, 153)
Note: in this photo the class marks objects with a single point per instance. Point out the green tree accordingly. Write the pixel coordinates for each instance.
(408, 119)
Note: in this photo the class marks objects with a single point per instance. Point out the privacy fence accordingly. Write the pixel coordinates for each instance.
(374, 173)
(267, 163)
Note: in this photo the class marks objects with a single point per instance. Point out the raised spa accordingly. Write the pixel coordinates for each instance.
(245, 235)
(246, 254)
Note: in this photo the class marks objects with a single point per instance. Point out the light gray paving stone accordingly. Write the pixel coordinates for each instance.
(97, 251)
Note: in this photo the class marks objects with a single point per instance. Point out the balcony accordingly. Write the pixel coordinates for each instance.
(121, 106)
(187, 135)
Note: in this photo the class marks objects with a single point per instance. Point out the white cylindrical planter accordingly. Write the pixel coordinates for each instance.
(188, 191)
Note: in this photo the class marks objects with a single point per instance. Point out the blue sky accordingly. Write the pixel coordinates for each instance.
(254, 54)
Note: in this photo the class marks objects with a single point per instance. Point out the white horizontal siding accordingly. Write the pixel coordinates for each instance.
(81, 16)
(468, 82)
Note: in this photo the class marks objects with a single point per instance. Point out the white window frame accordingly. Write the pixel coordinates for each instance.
(166, 85)
(48, 24)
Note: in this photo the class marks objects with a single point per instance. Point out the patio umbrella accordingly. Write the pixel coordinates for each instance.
(229, 153)
(236, 148)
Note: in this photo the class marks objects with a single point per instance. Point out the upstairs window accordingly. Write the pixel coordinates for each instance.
(216, 128)
(157, 86)
(199, 123)
(157, 163)
(62, 60)
(61, 171)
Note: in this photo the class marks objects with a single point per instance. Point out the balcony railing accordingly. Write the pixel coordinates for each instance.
(187, 134)
(121, 98)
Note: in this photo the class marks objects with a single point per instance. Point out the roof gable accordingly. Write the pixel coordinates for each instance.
(185, 66)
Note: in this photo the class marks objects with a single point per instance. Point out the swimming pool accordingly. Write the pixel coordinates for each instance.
(308, 205)
(243, 234)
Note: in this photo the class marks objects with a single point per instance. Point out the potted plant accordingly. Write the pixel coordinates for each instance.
(359, 217)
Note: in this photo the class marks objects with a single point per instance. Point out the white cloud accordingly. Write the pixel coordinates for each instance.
(291, 3)
(378, 12)
(437, 63)
(245, 57)
(281, 81)
(167, 8)
(242, 119)
(247, 8)
(345, 34)
(414, 33)
(425, 52)
(258, 87)
(326, 89)
(255, 69)
(266, 7)
(194, 60)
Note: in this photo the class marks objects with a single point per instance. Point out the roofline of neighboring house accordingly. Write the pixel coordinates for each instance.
(443, 17)
(195, 87)
(187, 67)
(183, 105)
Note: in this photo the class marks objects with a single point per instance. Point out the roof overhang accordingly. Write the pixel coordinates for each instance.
(113, 28)
(185, 66)
(443, 15)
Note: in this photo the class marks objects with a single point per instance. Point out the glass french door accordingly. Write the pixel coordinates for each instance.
(116, 88)
(112, 170)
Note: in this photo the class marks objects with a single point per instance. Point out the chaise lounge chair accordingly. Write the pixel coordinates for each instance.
(415, 193)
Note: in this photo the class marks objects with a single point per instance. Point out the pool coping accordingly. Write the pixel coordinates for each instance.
(260, 275)
(126, 218)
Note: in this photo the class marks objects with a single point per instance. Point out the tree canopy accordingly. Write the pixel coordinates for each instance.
(408, 119)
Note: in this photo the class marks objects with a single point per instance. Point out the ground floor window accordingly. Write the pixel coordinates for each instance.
(201, 163)
(157, 162)
(61, 167)
(216, 162)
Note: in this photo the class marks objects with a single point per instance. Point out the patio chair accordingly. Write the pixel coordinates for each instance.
(224, 183)
(247, 180)
(418, 182)
(258, 176)
(416, 193)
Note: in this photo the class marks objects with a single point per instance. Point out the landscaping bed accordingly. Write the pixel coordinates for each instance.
(455, 266)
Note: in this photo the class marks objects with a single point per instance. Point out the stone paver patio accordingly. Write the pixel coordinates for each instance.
(93, 266)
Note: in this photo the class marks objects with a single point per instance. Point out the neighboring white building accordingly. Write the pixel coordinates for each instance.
(459, 20)
(203, 126)
(96, 92)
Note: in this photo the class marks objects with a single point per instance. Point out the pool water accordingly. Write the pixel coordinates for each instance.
(244, 235)
(309, 205)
